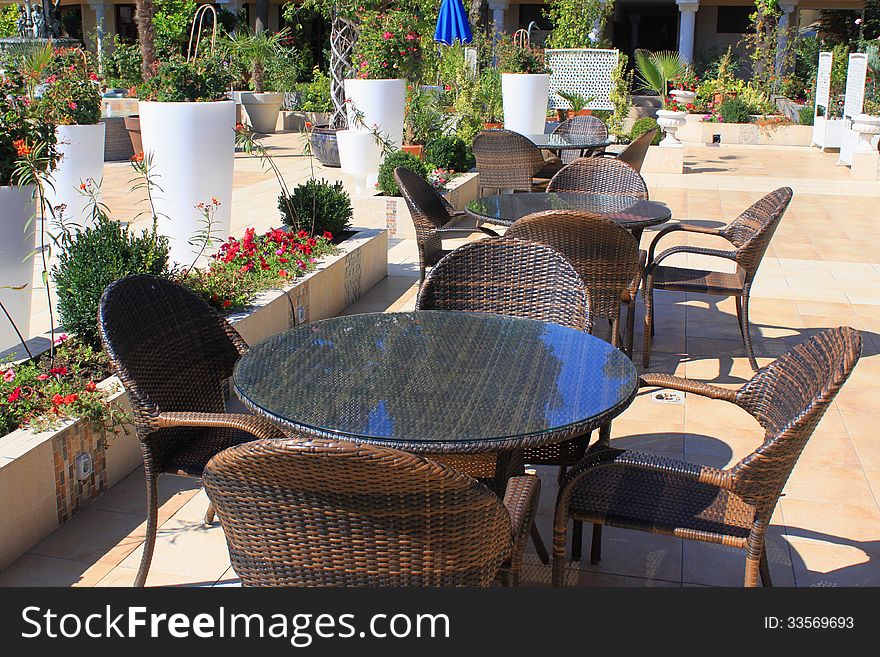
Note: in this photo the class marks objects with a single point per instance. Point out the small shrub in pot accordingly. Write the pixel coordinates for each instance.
(317, 206)
(386, 183)
(734, 110)
(451, 153)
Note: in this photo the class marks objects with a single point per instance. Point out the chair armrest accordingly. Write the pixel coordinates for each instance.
(697, 250)
(258, 426)
(686, 227)
(521, 500)
(637, 281)
(687, 385)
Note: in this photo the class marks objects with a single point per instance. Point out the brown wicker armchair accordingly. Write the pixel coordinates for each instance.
(634, 154)
(606, 256)
(599, 175)
(589, 127)
(508, 160)
(730, 507)
(173, 354)
(750, 234)
(309, 512)
(433, 217)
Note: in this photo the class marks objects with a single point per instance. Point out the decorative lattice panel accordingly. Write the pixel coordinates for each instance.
(586, 71)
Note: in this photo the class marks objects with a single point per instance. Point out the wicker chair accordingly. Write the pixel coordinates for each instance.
(634, 154)
(730, 507)
(580, 127)
(599, 175)
(309, 512)
(508, 160)
(750, 234)
(173, 354)
(433, 217)
(606, 256)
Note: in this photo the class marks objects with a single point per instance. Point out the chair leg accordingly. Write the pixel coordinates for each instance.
(209, 514)
(764, 568)
(747, 338)
(596, 547)
(649, 322)
(630, 327)
(539, 544)
(739, 316)
(560, 475)
(577, 540)
(560, 527)
(152, 521)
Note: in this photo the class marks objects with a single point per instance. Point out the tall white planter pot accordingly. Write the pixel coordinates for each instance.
(192, 146)
(262, 109)
(359, 156)
(81, 157)
(382, 103)
(17, 242)
(525, 101)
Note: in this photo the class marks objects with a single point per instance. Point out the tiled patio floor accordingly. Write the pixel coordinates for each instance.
(822, 269)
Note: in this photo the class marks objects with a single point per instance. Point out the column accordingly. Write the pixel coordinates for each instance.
(100, 10)
(498, 8)
(785, 23)
(597, 26)
(634, 31)
(687, 24)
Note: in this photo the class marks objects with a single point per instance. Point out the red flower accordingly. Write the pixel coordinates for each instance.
(282, 273)
(137, 157)
(69, 399)
(14, 396)
(328, 235)
(42, 377)
(21, 147)
(308, 124)
(302, 234)
(58, 371)
(91, 387)
(226, 303)
(57, 399)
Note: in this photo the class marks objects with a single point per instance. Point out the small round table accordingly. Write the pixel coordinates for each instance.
(556, 143)
(437, 381)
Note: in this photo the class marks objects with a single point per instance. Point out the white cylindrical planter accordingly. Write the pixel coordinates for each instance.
(81, 158)
(359, 156)
(670, 122)
(262, 109)
(17, 244)
(525, 102)
(192, 146)
(867, 127)
(382, 103)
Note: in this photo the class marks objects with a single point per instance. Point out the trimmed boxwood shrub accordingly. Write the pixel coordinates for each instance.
(317, 206)
(449, 153)
(643, 125)
(805, 115)
(386, 183)
(734, 110)
(92, 258)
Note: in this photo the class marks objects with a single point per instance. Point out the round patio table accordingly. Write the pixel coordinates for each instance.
(437, 381)
(555, 143)
(632, 213)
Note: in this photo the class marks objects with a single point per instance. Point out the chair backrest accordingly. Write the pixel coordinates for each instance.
(588, 127)
(508, 276)
(788, 398)
(604, 253)
(309, 512)
(506, 160)
(752, 231)
(634, 154)
(171, 350)
(599, 175)
(424, 202)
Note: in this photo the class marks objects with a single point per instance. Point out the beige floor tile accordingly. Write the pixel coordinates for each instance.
(634, 554)
(718, 565)
(122, 576)
(95, 535)
(39, 570)
(831, 485)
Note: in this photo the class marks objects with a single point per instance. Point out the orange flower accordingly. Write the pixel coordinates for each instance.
(138, 157)
(21, 147)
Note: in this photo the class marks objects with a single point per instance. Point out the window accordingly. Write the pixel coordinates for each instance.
(126, 26)
(72, 21)
(529, 13)
(734, 20)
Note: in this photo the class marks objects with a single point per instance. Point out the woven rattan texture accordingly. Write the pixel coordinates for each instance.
(508, 160)
(599, 175)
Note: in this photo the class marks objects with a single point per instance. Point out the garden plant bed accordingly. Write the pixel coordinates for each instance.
(754, 133)
(39, 490)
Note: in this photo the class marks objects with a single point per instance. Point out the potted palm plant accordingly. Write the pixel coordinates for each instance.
(655, 71)
(490, 99)
(525, 86)
(255, 49)
(423, 120)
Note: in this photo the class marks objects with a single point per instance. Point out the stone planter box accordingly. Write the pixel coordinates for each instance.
(391, 213)
(117, 143)
(38, 487)
(296, 121)
(752, 133)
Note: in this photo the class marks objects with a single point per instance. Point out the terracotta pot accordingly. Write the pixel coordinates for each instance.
(561, 115)
(489, 125)
(584, 112)
(133, 125)
(413, 149)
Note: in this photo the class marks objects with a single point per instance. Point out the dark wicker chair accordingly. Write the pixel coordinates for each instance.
(508, 160)
(606, 256)
(730, 507)
(309, 512)
(173, 354)
(588, 127)
(599, 175)
(750, 234)
(433, 216)
(634, 154)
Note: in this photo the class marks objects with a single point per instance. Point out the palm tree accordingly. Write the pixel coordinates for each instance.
(656, 69)
(256, 48)
(146, 36)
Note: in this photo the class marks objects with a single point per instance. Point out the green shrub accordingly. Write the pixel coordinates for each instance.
(805, 115)
(735, 110)
(317, 206)
(176, 80)
(449, 153)
(387, 185)
(315, 95)
(91, 259)
(122, 66)
(641, 126)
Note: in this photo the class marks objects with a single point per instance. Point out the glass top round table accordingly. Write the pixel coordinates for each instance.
(436, 381)
(630, 212)
(557, 142)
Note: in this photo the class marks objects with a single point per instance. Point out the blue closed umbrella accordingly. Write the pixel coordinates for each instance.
(452, 24)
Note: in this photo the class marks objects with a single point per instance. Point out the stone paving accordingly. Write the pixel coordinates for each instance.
(822, 270)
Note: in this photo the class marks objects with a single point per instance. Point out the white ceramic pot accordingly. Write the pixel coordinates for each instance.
(867, 127)
(81, 158)
(192, 146)
(525, 102)
(17, 242)
(382, 103)
(262, 110)
(682, 96)
(359, 156)
(670, 122)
